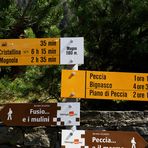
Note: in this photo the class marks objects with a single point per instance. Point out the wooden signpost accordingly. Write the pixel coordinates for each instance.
(41, 51)
(41, 114)
(75, 84)
(104, 85)
(101, 139)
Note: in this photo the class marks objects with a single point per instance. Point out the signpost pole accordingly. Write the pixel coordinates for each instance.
(73, 128)
(72, 67)
(72, 53)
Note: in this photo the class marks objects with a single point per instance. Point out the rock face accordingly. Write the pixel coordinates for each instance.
(28, 137)
(11, 135)
(37, 137)
(116, 120)
(49, 137)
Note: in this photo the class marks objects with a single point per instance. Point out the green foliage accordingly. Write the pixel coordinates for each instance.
(115, 33)
(40, 16)
(8, 16)
(29, 33)
(36, 83)
(4, 4)
(35, 18)
(6, 93)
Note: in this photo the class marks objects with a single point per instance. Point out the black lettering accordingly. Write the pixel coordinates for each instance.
(42, 59)
(4, 44)
(8, 60)
(51, 59)
(43, 43)
(32, 51)
(146, 86)
(53, 43)
(69, 52)
(52, 51)
(95, 93)
(138, 86)
(138, 95)
(118, 94)
(134, 94)
(43, 50)
(138, 78)
(75, 53)
(32, 59)
(71, 48)
(10, 52)
(98, 76)
(100, 85)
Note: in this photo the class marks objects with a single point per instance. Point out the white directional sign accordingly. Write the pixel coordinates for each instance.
(72, 50)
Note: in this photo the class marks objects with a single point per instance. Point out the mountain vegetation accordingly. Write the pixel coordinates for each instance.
(115, 33)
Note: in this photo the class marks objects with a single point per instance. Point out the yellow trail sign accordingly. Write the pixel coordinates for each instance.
(104, 85)
(42, 51)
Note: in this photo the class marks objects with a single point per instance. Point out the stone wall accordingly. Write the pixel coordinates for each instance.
(49, 137)
(116, 120)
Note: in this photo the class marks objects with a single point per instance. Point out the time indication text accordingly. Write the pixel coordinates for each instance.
(43, 51)
(29, 51)
(108, 85)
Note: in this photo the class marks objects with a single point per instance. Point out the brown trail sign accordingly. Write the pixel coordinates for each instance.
(102, 139)
(23, 114)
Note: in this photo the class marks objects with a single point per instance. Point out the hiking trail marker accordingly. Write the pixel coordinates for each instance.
(101, 139)
(56, 114)
(104, 85)
(41, 51)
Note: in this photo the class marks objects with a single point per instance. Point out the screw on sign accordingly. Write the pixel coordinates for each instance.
(102, 139)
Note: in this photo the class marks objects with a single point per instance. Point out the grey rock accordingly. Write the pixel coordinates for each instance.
(11, 135)
(36, 137)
